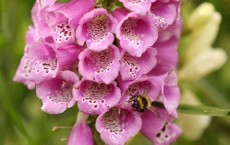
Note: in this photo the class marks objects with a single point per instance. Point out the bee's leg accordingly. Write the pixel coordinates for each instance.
(133, 97)
(153, 109)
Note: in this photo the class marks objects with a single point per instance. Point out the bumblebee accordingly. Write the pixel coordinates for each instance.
(142, 102)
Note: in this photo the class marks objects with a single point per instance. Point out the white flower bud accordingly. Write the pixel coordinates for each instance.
(203, 37)
(203, 64)
(200, 15)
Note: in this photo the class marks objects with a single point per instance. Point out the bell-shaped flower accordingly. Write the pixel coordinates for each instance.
(158, 128)
(167, 52)
(164, 13)
(57, 23)
(56, 94)
(96, 29)
(67, 56)
(133, 67)
(96, 98)
(69, 10)
(136, 33)
(81, 133)
(102, 67)
(31, 37)
(38, 64)
(138, 6)
(170, 92)
(44, 20)
(144, 86)
(118, 125)
(23, 73)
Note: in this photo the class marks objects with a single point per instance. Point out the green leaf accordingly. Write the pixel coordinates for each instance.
(63, 1)
(110, 5)
(8, 107)
(212, 93)
(203, 110)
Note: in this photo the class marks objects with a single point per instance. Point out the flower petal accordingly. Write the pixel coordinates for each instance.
(81, 135)
(138, 6)
(75, 9)
(117, 126)
(101, 66)
(136, 33)
(56, 93)
(96, 29)
(63, 34)
(67, 56)
(45, 3)
(165, 13)
(171, 93)
(133, 67)
(167, 52)
(95, 98)
(149, 86)
(159, 129)
(38, 64)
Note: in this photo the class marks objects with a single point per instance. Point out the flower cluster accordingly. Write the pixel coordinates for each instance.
(114, 64)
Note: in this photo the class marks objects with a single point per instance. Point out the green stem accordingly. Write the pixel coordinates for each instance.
(203, 110)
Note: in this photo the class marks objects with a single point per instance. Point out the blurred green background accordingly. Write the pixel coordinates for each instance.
(23, 123)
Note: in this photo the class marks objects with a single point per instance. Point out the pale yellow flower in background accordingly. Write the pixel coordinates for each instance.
(202, 64)
(199, 60)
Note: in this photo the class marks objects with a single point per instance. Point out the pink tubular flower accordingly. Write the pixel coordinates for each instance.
(170, 92)
(158, 128)
(74, 10)
(38, 64)
(164, 13)
(96, 28)
(67, 56)
(133, 67)
(81, 133)
(167, 52)
(118, 125)
(23, 73)
(31, 36)
(136, 33)
(138, 6)
(102, 67)
(95, 98)
(56, 93)
(57, 23)
(150, 86)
